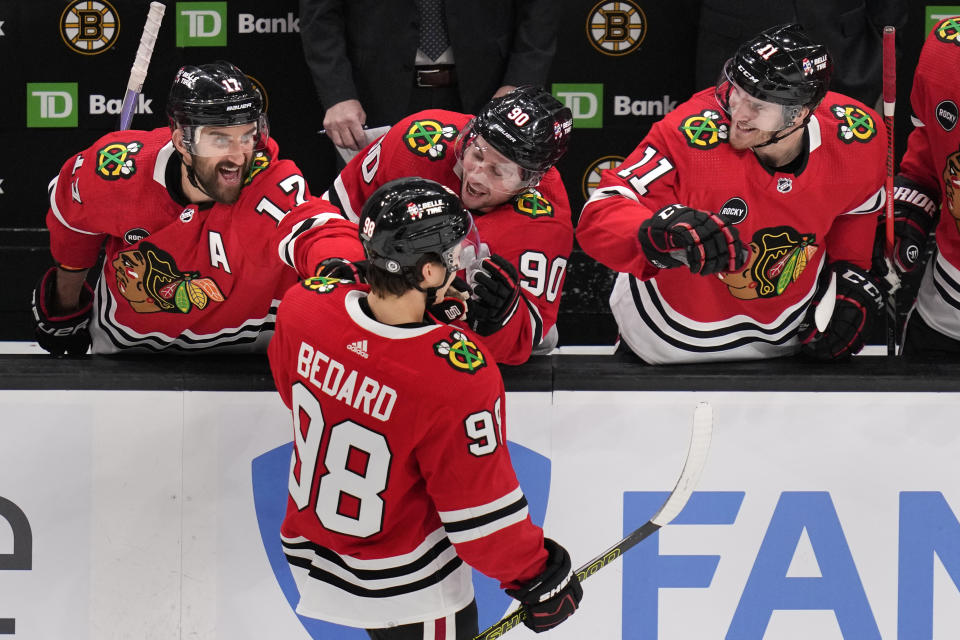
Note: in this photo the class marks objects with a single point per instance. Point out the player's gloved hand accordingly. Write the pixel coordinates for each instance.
(859, 300)
(65, 333)
(915, 213)
(453, 306)
(678, 235)
(343, 269)
(552, 596)
(496, 295)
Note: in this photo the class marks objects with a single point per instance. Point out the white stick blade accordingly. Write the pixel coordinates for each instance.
(700, 437)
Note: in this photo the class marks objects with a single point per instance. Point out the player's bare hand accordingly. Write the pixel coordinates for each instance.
(504, 90)
(344, 124)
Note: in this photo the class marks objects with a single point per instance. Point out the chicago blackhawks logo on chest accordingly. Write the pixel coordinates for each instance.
(148, 278)
(430, 138)
(778, 257)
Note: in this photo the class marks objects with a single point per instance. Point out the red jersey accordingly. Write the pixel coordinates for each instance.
(793, 223)
(932, 159)
(532, 230)
(400, 470)
(181, 276)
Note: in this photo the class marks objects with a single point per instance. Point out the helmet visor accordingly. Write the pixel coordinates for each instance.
(752, 112)
(480, 162)
(213, 140)
(467, 254)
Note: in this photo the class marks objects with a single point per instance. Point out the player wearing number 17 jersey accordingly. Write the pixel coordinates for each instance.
(501, 162)
(730, 218)
(401, 476)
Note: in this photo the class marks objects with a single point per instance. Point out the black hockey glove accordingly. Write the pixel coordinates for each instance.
(914, 218)
(67, 334)
(496, 295)
(454, 304)
(677, 235)
(552, 596)
(859, 299)
(342, 269)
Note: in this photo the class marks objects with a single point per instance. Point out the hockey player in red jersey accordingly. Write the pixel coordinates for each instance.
(501, 164)
(191, 218)
(928, 186)
(401, 474)
(730, 218)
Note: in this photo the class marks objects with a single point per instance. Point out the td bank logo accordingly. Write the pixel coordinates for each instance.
(201, 24)
(51, 104)
(585, 102)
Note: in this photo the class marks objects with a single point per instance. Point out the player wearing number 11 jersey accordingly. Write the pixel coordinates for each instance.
(501, 164)
(730, 218)
(400, 475)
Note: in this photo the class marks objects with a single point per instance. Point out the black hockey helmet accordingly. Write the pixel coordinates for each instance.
(408, 218)
(528, 126)
(782, 65)
(216, 94)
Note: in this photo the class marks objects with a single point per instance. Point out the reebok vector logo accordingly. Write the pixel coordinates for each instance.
(359, 347)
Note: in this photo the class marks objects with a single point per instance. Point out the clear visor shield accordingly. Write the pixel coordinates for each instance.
(749, 111)
(467, 255)
(213, 141)
(481, 163)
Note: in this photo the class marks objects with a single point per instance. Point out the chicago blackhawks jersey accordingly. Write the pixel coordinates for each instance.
(532, 230)
(932, 159)
(793, 223)
(181, 276)
(400, 471)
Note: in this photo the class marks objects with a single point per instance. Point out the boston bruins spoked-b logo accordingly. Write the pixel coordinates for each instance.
(89, 27)
(616, 27)
(430, 138)
(591, 177)
(461, 353)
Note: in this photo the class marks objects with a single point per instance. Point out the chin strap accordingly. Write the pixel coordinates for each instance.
(192, 177)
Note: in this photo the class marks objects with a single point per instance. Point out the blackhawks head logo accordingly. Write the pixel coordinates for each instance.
(704, 130)
(429, 138)
(855, 123)
(148, 278)
(116, 161)
(461, 353)
(532, 204)
(951, 186)
(778, 257)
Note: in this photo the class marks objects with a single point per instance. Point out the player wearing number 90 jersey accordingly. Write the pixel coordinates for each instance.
(501, 164)
(400, 473)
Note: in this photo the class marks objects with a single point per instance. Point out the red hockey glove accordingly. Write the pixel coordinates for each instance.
(858, 300)
(342, 269)
(704, 241)
(915, 214)
(496, 295)
(552, 596)
(65, 334)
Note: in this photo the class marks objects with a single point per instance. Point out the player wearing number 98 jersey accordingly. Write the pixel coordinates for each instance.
(191, 218)
(400, 474)
(501, 163)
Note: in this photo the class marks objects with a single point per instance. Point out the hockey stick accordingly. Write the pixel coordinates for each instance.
(138, 73)
(889, 102)
(692, 467)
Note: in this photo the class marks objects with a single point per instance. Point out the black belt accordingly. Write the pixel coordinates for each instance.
(441, 75)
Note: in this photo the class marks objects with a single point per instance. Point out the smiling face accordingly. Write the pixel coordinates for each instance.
(489, 178)
(221, 158)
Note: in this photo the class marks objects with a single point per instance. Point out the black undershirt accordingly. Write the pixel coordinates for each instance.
(172, 177)
(365, 307)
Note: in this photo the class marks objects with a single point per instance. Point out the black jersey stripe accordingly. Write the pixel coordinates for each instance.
(459, 526)
(385, 592)
(333, 557)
